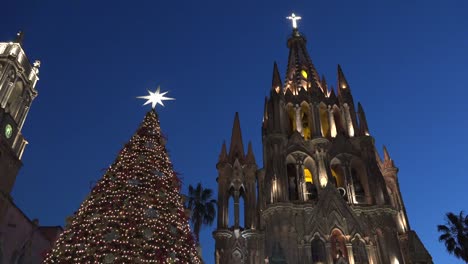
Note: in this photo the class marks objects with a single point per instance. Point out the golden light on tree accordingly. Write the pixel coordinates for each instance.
(134, 214)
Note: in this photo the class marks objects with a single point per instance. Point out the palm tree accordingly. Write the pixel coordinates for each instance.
(455, 235)
(202, 207)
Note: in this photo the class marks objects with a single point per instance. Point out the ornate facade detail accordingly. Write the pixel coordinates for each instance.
(324, 195)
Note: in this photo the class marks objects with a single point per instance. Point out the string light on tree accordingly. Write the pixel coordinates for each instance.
(134, 213)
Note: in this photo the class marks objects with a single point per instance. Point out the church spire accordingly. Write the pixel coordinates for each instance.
(276, 83)
(250, 157)
(362, 121)
(223, 154)
(236, 149)
(19, 37)
(301, 72)
(387, 162)
(342, 83)
(344, 91)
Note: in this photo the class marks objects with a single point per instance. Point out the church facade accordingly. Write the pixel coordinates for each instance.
(323, 195)
(22, 240)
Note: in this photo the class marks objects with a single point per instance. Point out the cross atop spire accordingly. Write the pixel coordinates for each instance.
(294, 20)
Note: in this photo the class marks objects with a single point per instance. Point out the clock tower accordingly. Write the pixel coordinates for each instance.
(18, 78)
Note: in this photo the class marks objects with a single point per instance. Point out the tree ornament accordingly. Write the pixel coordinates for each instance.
(173, 230)
(147, 233)
(134, 182)
(112, 235)
(149, 145)
(109, 258)
(141, 158)
(152, 213)
(158, 173)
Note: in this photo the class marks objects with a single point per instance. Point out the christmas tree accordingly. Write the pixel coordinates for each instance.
(135, 213)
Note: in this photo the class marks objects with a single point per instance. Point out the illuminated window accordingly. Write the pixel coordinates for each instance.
(308, 176)
(305, 122)
(311, 189)
(304, 74)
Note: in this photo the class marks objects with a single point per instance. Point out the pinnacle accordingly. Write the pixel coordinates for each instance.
(223, 153)
(276, 83)
(236, 149)
(386, 155)
(342, 83)
(250, 158)
(19, 37)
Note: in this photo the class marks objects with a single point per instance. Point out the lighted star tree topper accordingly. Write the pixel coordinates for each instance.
(135, 213)
(155, 98)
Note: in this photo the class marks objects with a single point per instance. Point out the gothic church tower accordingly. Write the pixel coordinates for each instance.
(324, 195)
(18, 78)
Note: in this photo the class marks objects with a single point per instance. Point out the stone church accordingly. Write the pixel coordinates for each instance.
(323, 195)
(22, 240)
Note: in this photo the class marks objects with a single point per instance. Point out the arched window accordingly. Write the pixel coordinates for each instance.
(360, 182)
(324, 123)
(358, 187)
(319, 254)
(360, 252)
(292, 182)
(231, 215)
(242, 208)
(311, 189)
(338, 176)
(305, 121)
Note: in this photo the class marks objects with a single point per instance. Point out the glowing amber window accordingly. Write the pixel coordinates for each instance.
(339, 179)
(308, 176)
(304, 74)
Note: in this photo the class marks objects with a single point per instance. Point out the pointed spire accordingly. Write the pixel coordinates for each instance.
(342, 83)
(265, 111)
(324, 85)
(377, 157)
(386, 155)
(387, 162)
(332, 93)
(236, 149)
(276, 83)
(223, 154)
(301, 71)
(362, 121)
(19, 37)
(250, 158)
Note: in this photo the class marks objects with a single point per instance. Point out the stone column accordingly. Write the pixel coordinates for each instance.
(331, 120)
(298, 119)
(349, 248)
(371, 254)
(300, 180)
(317, 131)
(349, 121)
(329, 252)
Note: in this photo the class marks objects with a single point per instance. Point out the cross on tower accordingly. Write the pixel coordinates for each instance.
(294, 19)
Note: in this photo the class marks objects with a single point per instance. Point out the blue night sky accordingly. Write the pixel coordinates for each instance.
(406, 62)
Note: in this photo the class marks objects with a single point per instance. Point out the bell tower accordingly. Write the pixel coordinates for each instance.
(324, 195)
(236, 234)
(18, 78)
